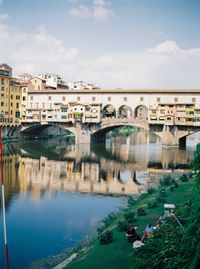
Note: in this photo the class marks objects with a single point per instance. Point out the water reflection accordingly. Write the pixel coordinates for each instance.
(45, 182)
(125, 165)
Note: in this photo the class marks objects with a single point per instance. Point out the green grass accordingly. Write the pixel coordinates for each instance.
(119, 253)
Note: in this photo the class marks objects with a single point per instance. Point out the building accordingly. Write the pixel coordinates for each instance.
(53, 81)
(175, 113)
(37, 84)
(5, 78)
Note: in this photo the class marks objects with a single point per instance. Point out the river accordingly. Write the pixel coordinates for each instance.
(56, 191)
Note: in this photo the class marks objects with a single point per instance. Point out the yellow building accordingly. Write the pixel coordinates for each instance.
(5, 77)
(13, 99)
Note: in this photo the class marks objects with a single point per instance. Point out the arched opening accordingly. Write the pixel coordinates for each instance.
(109, 112)
(125, 112)
(141, 112)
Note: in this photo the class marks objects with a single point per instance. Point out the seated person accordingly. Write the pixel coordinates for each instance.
(148, 231)
(131, 234)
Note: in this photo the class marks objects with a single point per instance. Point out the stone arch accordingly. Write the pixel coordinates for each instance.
(141, 111)
(109, 111)
(125, 111)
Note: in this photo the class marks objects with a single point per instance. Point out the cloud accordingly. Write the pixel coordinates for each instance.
(100, 11)
(33, 52)
(4, 16)
(165, 65)
(80, 12)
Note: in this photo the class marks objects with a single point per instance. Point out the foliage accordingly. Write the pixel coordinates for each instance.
(122, 225)
(161, 251)
(129, 216)
(106, 237)
(150, 190)
(141, 211)
(162, 193)
(184, 178)
(131, 201)
(152, 204)
(167, 180)
(160, 199)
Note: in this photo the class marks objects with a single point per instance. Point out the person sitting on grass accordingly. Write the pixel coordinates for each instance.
(132, 235)
(148, 232)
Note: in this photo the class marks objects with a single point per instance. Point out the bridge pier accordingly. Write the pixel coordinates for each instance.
(170, 137)
(82, 136)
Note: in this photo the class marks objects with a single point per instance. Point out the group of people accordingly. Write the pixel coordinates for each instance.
(131, 232)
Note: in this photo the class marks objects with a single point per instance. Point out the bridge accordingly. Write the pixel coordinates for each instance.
(170, 135)
(172, 114)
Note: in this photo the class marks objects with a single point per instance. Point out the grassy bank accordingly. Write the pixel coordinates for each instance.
(118, 254)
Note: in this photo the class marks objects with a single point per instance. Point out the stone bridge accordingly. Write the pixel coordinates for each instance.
(171, 135)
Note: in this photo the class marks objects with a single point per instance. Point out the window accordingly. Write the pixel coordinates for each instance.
(125, 99)
(49, 98)
(2, 81)
(63, 98)
(78, 98)
(193, 99)
(109, 98)
(24, 98)
(31, 98)
(141, 99)
(176, 99)
(158, 99)
(93, 98)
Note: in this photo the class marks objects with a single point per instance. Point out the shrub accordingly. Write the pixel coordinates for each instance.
(122, 225)
(131, 201)
(129, 216)
(167, 181)
(106, 237)
(141, 211)
(162, 193)
(172, 188)
(152, 204)
(150, 190)
(160, 199)
(183, 178)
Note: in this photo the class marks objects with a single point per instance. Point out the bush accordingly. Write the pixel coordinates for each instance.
(152, 204)
(167, 181)
(122, 225)
(172, 188)
(184, 178)
(129, 216)
(141, 211)
(106, 237)
(131, 201)
(150, 190)
(160, 199)
(162, 193)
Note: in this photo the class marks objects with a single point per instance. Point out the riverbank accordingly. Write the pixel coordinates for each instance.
(118, 254)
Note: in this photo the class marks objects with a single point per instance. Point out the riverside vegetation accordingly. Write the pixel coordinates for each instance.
(171, 247)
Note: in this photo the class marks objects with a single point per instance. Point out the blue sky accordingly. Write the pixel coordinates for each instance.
(113, 43)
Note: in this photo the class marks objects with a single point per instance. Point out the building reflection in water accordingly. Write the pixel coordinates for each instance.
(126, 166)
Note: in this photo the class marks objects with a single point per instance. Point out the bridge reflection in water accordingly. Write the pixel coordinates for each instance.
(126, 165)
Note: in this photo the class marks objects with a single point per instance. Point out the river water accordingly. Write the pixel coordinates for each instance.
(56, 191)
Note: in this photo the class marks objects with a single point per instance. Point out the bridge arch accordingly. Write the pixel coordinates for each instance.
(109, 111)
(141, 111)
(125, 111)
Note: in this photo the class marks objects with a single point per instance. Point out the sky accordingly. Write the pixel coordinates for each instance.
(111, 43)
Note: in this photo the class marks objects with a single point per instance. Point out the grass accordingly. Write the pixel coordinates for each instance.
(118, 254)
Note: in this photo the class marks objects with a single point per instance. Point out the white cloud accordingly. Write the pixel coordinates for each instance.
(80, 12)
(33, 52)
(4, 16)
(166, 65)
(100, 11)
